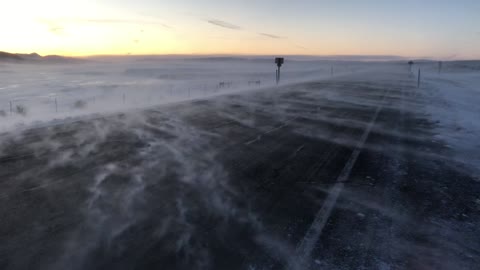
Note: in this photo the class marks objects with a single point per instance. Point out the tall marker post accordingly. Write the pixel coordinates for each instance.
(418, 82)
(279, 61)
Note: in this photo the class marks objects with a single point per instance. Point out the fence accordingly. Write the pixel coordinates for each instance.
(75, 103)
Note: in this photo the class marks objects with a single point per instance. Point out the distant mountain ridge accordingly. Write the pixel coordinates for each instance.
(35, 58)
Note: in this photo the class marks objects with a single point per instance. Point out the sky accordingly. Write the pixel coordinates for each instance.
(443, 29)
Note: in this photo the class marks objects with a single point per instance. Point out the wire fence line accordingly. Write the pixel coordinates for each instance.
(67, 102)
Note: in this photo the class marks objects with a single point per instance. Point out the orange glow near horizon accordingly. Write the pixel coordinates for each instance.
(85, 28)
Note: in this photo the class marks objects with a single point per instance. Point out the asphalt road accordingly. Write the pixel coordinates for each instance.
(337, 174)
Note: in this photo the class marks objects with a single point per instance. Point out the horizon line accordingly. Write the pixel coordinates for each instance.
(379, 56)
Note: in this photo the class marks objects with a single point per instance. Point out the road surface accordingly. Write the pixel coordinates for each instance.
(338, 174)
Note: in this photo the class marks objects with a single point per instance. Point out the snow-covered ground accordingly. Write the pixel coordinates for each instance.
(40, 93)
(455, 107)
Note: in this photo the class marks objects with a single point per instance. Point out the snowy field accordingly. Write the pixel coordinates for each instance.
(153, 165)
(32, 94)
(455, 100)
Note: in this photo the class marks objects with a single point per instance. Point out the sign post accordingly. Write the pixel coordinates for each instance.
(410, 64)
(279, 61)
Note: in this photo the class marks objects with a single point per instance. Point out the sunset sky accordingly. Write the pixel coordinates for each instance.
(420, 28)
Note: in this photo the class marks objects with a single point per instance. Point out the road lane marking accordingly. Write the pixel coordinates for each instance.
(307, 245)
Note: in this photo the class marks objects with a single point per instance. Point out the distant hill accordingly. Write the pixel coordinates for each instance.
(35, 58)
(4, 56)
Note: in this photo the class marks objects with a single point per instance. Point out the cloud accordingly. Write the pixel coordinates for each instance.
(224, 24)
(120, 21)
(55, 24)
(271, 36)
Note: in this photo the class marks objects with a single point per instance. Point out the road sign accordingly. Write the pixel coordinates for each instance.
(279, 61)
